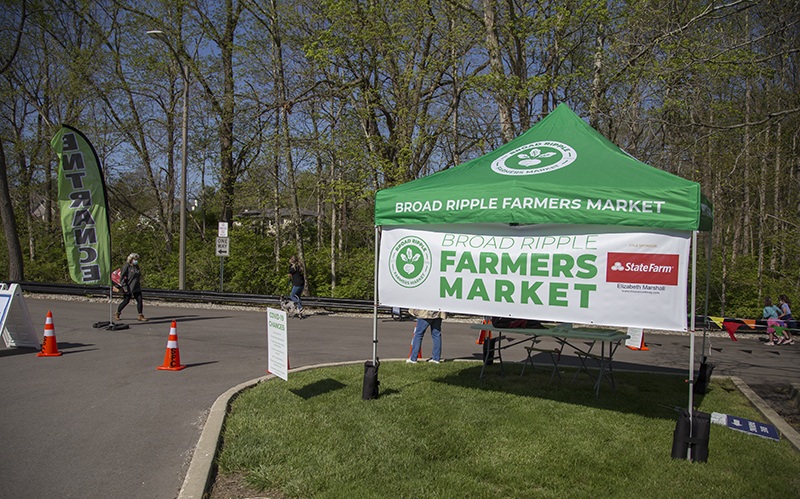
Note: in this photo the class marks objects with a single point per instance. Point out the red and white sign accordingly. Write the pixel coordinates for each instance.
(642, 268)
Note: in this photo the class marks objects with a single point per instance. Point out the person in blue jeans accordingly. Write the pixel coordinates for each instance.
(786, 316)
(296, 274)
(426, 319)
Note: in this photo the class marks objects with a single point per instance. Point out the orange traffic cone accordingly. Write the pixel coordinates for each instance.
(49, 345)
(172, 359)
(482, 336)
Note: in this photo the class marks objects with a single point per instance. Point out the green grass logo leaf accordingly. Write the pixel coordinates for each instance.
(534, 157)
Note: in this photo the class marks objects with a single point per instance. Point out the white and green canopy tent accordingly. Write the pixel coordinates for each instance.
(557, 225)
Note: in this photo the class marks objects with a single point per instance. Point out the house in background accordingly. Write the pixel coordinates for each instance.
(265, 219)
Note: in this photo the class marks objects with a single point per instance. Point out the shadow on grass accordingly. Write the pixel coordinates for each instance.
(318, 388)
(648, 394)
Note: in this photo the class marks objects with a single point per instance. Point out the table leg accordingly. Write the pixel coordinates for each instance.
(587, 353)
(490, 350)
(606, 363)
(486, 357)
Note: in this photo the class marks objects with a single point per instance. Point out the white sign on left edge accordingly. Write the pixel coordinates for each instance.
(277, 344)
(15, 321)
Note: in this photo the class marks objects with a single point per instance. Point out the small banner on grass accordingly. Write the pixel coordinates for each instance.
(762, 430)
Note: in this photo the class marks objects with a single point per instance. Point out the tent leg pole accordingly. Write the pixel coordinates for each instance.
(691, 342)
(705, 307)
(375, 300)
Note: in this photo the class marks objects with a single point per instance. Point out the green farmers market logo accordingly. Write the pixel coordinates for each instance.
(410, 262)
(531, 159)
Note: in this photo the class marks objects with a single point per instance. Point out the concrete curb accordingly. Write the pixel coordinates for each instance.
(201, 467)
(794, 394)
(786, 431)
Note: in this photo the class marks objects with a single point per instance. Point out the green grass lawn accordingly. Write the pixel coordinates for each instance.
(437, 431)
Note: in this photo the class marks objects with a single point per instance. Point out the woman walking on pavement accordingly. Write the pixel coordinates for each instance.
(771, 313)
(131, 280)
(298, 282)
(786, 316)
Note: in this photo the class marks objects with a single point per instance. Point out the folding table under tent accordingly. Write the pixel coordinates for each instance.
(558, 225)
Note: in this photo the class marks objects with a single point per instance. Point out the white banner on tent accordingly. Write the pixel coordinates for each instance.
(566, 273)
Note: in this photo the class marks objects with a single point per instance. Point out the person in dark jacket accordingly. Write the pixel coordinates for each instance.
(296, 274)
(131, 280)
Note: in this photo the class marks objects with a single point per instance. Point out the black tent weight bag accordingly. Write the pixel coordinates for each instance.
(700, 427)
(370, 389)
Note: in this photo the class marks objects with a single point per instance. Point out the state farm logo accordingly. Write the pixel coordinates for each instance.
(642, 268)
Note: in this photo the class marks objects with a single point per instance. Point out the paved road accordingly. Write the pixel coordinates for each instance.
(101, 421)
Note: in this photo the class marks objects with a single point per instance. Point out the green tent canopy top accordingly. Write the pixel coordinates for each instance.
(561, 171)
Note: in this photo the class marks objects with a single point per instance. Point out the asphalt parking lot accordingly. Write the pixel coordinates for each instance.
(101, 421)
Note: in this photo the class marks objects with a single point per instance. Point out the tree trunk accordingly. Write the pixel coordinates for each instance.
(746, 221)
(228, 107)
(599, 44)
(762, 217)
(319, 165)
(777, 228)
(334, 226)
(16, 267)
(284, 107)
(496, 63)
(723, 291)
(276, 194)
(518, 55)
(27, 174)
(746, 241)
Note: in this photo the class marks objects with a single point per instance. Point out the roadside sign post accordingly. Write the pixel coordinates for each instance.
(223, 250)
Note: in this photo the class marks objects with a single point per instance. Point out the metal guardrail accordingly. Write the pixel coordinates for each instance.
(326, 303)
(203, 296)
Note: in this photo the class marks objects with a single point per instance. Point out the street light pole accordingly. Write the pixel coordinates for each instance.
(161, 36)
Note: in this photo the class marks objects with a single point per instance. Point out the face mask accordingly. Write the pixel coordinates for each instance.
(136, 262)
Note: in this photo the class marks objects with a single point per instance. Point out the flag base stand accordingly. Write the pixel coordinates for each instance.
(110, 326)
